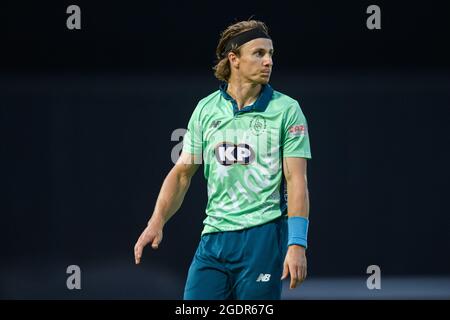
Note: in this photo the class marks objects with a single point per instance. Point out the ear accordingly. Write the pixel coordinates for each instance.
(234, 59)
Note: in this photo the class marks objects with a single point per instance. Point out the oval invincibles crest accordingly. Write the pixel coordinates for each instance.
(258, 125)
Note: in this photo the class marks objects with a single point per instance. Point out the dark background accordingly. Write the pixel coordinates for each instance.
(86, 118)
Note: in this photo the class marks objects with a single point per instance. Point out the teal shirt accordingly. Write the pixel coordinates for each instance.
(242, 154)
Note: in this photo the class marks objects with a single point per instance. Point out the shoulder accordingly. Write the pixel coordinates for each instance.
(208, 101)
(284, 102)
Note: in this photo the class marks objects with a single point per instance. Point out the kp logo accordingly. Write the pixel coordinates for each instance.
(228, 153)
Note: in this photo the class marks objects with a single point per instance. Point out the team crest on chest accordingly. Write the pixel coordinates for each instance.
(258, 125)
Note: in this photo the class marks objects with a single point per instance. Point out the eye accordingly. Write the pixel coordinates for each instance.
(259, 53)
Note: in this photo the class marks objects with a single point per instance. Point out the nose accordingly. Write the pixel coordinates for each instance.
(268, 62)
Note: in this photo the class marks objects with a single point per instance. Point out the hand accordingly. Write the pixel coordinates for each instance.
(154, 234)
(295, 264)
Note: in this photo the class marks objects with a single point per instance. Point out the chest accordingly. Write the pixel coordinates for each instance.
(243, 136)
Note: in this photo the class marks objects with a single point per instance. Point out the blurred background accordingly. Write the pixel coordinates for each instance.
(86, 118)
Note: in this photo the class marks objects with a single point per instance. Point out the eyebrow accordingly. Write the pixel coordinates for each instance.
(258, 49)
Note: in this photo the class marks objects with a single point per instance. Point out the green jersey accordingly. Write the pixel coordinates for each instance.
(242, 153)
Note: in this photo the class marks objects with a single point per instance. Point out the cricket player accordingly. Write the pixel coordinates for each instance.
(253, 143)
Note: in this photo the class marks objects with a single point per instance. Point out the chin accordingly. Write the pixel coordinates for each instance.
(262, 80)
(265, 80)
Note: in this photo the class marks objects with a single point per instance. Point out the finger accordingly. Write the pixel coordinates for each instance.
(294, 277)
(299, 277)
(138, 253)
(301, 274)
(285, 271)
(305, 272)
(156, 241)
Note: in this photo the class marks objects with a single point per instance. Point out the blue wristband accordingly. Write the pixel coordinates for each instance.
(298, 231)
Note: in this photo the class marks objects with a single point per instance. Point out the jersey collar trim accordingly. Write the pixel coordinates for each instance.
(259, 105)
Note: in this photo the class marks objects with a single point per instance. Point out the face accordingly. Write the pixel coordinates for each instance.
(255, 61)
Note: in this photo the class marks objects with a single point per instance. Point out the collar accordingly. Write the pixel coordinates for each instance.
(259, 105)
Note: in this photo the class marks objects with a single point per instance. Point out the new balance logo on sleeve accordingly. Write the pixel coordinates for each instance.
(215, 123)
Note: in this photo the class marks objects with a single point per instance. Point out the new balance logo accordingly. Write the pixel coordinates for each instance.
(215, 123)
(263, 277)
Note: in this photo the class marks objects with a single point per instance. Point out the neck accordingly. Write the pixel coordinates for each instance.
(244, 93)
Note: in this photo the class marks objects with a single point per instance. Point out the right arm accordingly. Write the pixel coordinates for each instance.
(170, 198)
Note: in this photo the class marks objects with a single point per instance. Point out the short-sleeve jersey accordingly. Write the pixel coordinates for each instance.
(242, 153)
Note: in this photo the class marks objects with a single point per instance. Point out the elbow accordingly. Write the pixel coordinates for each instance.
(184, 181)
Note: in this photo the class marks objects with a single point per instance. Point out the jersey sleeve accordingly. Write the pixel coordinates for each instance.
(192, 141)
(295, 137)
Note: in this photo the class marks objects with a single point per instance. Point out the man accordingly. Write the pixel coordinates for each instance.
(254, 144)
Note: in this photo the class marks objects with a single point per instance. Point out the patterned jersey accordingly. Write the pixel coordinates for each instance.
(242, 153)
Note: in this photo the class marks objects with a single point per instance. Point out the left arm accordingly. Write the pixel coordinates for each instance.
(294, 170)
